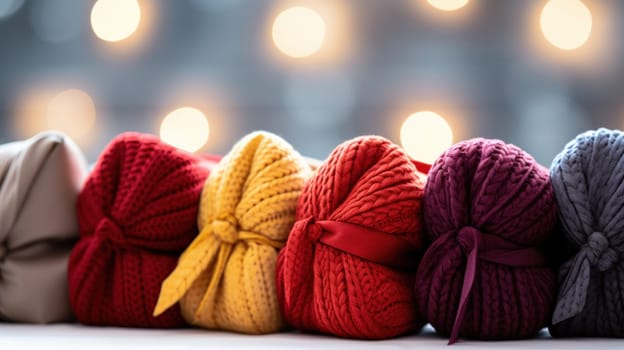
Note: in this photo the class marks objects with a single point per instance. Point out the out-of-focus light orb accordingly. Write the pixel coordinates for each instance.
(425, 135)
(566, 24)
(72, 112)
(185, 128)
(9, 7)
(299, 32)
(448, 5)
(115, 20)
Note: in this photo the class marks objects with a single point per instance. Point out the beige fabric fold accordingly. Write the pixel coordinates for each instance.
(39, 182)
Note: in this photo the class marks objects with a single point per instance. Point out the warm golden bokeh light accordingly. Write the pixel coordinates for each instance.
(448, 5)
(115, 20)
(566, 24)
(425, 135)
(71, 112)
(298, 32)
(185, 128)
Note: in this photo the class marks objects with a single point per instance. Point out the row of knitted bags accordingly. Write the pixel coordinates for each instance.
(370, 244)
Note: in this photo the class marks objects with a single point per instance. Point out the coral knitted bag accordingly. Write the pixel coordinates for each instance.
(588, 178)
(137, 213)
(226, 278)
(488, 206)
(343, 270)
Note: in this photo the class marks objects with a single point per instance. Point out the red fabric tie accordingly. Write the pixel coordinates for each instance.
(422, 167)
(369, 244)
(492, 248)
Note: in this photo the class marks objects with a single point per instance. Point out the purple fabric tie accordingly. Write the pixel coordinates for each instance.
(482, 246)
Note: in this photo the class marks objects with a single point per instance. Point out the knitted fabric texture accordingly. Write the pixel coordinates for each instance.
(487, 206)
(226, 278)
(362, 204)
(39, 182)
(137, 213)
(588, 178)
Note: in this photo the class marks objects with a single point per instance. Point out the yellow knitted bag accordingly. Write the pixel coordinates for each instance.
(226, 278)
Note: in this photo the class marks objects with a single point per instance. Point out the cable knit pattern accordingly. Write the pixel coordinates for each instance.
(370, 183)
(490, 194)
(226, 278)
(39, 182)
(588, 178)
(137, 213)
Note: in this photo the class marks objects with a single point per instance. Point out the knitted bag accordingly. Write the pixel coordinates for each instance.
(137, 213)
(588, 178)
(344, 269)
(488, 206)
(226, 278)
(39, 181)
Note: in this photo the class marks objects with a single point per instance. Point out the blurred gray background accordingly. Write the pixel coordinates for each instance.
(486, 68)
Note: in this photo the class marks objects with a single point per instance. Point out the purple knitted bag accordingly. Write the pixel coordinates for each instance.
(488, 207)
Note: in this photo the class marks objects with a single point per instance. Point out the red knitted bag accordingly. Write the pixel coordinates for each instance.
(344, 269)
(137, 213)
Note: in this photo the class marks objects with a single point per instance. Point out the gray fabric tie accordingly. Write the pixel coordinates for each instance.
(597, 254)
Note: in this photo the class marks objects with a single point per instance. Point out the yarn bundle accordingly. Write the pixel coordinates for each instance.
(588, 177)
(226, 278)
(345, 269)
(137, 213)
(39, 181)
(488, 206)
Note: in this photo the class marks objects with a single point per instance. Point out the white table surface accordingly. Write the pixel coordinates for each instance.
(74, 336)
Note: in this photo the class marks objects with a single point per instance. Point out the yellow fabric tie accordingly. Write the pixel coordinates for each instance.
(225, 278)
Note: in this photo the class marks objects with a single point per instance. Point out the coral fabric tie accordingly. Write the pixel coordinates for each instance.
(491, 248)
(213, 245)
(369, 244)
(595, 253)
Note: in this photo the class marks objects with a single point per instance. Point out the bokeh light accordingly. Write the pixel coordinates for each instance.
(186, 128)
(71, 112)
(298, 32)
(448, 5)
(115, 20)
(566, 24)
(425, 135)
(9, 7)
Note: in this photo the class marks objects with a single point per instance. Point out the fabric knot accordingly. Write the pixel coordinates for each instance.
(573, 293)
(479, 246)
(108, 230)
(225, 230)
(312, 231)
(468, 237)
(599, 253)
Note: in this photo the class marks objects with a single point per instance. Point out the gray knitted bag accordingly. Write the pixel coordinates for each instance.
(588, 178)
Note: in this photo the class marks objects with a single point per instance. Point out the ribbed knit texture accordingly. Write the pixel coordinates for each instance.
(495, 189)
(137, 213)
(372, 183)
(226, 278)
(588, 178)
